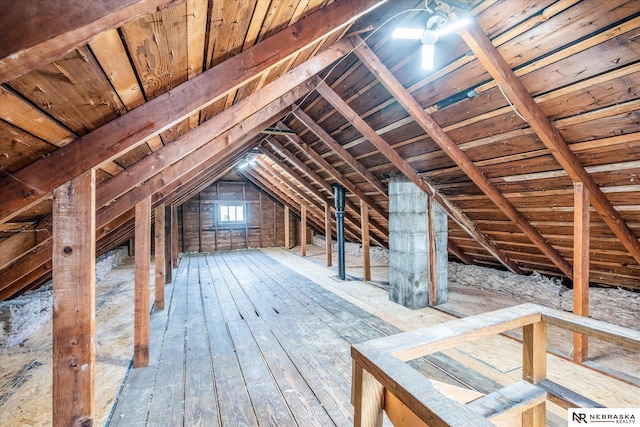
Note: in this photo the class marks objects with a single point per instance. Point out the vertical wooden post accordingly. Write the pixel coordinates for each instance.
(364, 228)
(287, 234)
(303, 230)
(141, 303)
(159, 261)
(433, 267)
(167, 245)
(534, 368)
(73, 260)
(174, 236)
(327, 232)
(367, 396)
(580, 266)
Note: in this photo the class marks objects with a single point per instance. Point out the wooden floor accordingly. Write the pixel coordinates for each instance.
(262, 338)
(247, 341)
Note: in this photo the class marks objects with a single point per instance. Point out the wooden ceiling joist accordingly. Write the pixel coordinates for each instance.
(440, 137)
(406, 169)
(111, 140)
(517, 93)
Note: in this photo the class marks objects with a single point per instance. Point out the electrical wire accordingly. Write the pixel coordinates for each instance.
(511, 105)
(296, 106)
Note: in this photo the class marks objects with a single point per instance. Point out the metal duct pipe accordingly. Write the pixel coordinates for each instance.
(338, 194)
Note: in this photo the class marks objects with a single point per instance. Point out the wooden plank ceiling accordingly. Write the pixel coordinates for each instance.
(165, 97)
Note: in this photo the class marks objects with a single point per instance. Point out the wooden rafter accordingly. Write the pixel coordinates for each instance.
(335, 174)
(517, 93)
(403, 166)
(113, 139)
(350, 206)
(342, 152)
(455, 153)
(297, 177)
(48, 30)
(264, 103)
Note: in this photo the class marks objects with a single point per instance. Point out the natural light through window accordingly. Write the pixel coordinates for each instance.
(231, 214)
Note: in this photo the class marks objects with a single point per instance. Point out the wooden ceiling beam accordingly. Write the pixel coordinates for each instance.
(405, 168)
(459, 253)
(268, 100)
(296, 141)
(355, 210)
(289, 171)
(455, 153)
(518, 94)
(126, 132)
(248, 113)
(342, 152)
(323, 200)
(48, 30)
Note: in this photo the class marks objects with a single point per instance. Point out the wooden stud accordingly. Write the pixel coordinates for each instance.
(174, 237)
(160, 257)
(167, 245)
(303, 230)
(74, 302)
(364, 227)
(433, 268)
(580, 266)
(287, 228)
(142, 279)
(522, 100)
(327, 233)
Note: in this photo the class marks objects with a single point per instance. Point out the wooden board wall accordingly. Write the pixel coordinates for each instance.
(264, 225)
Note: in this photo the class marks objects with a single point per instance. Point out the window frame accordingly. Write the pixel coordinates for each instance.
(231, 223)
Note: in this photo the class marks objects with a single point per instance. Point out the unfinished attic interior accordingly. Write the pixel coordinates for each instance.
(319, 212)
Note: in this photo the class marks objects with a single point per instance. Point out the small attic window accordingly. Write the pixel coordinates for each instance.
(230, 214)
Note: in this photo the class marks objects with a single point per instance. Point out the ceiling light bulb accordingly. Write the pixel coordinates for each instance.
(453, 26)
(428, 54)
(407, 33)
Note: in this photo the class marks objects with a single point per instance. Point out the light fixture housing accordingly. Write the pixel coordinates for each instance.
(437, 25)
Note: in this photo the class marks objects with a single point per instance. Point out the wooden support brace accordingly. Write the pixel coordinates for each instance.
(303, 230)
(174, 236)
(142, 263)
(159, 257)
(73, 260)
(287, 227)
(327, 233)
(366, 257)
(580, 267)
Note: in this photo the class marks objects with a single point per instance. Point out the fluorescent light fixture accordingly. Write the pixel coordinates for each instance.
(243, 165)
(428, 54)
(451, 27)
(407, 33)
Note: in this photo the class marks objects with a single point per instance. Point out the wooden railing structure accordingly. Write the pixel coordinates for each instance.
(382, 381)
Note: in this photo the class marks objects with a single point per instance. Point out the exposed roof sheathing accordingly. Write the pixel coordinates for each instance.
(147, 83)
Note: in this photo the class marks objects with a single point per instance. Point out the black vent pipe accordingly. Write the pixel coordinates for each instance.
(338, 194)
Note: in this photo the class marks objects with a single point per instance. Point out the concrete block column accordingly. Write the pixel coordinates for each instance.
(409, 258)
